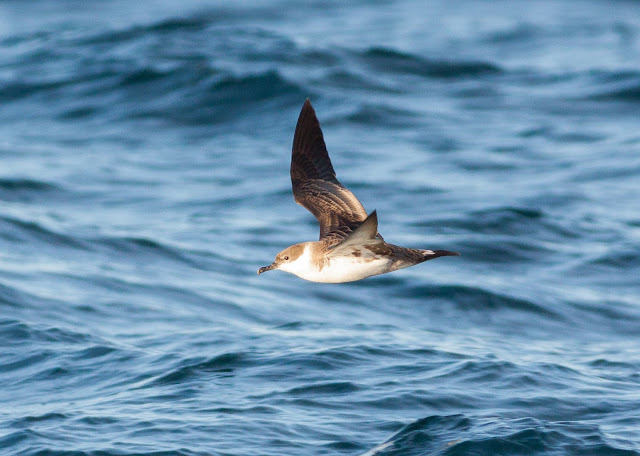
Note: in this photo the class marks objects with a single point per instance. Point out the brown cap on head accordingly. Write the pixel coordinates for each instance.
(286, 256)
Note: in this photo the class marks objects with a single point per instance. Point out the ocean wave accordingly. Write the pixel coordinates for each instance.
(224, 364)
(475, 298)
(380, 115)
(147, 248)
(430, 435)
(617, 266)
(625, 258)
(516, 221)
(520, 33)
(215, 100)
(21, 184)
(253, 87)
(15, 230)
(18, 300)
(461, 435)
(605, 171)
(172, 25)
(17, 331)
(603, 85)
(17, 90)
(628, 91)
(394, 61)
(30, 419)
(11, 297)
(345, 79)
(323, 388)
(196, 89)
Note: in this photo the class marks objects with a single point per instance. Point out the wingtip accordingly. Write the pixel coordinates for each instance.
(371, 222)
(307, 105)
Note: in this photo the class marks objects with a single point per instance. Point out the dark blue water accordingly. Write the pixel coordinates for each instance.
(144, 159)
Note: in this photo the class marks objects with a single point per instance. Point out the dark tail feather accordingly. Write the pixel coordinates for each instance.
(408, 257)
(431, 254)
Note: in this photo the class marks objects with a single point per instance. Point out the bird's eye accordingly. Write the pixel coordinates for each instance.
(286, 258)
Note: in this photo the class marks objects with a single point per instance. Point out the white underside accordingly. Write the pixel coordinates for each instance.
(339, 269)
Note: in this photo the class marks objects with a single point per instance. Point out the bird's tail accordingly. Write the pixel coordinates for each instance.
(431, 254)
(408, 257)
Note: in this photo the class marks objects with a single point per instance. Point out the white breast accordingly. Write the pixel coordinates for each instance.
(338, 269)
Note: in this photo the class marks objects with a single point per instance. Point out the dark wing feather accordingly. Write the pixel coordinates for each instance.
(365, 235)
(314, 181)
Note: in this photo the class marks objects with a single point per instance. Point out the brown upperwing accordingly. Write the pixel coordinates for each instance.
(314, 181)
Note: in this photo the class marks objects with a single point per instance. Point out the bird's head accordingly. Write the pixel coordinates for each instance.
(285, 258)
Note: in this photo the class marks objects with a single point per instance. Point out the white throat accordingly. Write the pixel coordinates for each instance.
(301, 266)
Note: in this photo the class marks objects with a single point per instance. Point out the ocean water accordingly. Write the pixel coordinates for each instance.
(144, 160)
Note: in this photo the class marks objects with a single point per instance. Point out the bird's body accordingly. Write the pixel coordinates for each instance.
(350, 247)
(317, 263)
(314, 265)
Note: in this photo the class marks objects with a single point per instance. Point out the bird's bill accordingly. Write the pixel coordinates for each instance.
(267, 268)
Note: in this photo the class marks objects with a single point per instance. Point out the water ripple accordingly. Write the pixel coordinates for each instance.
(395, 61)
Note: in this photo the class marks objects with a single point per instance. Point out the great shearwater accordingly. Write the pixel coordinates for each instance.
(350, 247)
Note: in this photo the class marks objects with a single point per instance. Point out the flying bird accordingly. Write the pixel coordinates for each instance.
(350, 247)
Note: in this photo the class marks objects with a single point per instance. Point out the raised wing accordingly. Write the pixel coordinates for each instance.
(314, 181)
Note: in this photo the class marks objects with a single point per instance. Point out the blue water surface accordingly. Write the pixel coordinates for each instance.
(144, 178)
